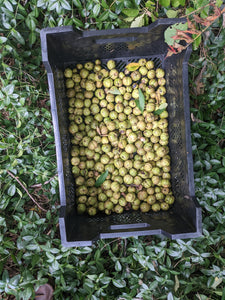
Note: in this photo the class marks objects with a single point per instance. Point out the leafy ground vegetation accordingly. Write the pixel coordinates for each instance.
(134, 268)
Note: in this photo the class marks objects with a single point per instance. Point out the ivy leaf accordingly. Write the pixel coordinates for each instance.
(132, 66)
(161, 109)
(141, 101)
(172, 31)
(101, 178)
(130, 12)
(138, 22)
(114, 91)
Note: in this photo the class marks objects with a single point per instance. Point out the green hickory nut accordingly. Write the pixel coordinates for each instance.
(164, 206)
(100, 94)
(128, 179)
(111, 64)
(130, 148)
(82, 199)
(169, 199)
(159, 73)
(115, 186)
(68, 73)
(145, 207)
(127, 81)
(118, 209)
(135, 76)
(113, 74)
(81, 208)
(122, 202)
(151, 199)
(156, 207)
(92, 211)
(142, 195)
(130, 197)
(108, 205)
(107, 82)
(123, 171)
(102, 197)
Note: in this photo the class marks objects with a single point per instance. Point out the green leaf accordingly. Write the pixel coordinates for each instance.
(162, 108)
(27, 293)
(30, 22)
(8, 5)
(118, 266)
(119, 283)
(164, 3)
(12, 190)
(176, 3)
(32, 38)
(77, 3)
(141, 101)
(197, 42)
(170, 296)
(17, 36)
(101, 178)
(172, 13)
(2, 39)
(114, 91)
(171, 31)
(96, 10)
(132, 66)
(130, 12)
(78, 22)
(65, 4)
(104, 16)
(138, 22)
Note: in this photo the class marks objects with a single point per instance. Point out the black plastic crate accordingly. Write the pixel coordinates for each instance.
(64, 46)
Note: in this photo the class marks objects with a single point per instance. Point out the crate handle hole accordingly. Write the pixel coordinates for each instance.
(129, 226)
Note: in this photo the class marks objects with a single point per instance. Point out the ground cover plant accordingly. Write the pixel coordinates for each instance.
(134, 268)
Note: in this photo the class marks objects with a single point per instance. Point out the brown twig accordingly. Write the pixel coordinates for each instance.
(25, 189)
(39, 185)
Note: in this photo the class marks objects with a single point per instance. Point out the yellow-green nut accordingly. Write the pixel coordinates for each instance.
(68, 73)
(130, 148)
(151, 74)
(100, 94)
(169, 199)
(149, 64)
(69, 83)
(151, 199)
(156, 207)
(81, 208)
(123, 171)
(102, 197)
(130, 197)
(80, 180)
(111, 64)
(70, 93)
(142, 61)
(118, 209)
(143, 70)
(127, 81)
(115, 186)
(164, 206)
(108, 82)
(101, 206)
(84, 73)
(128, 179)
(135, 76)
(82, 199)
(89, 65)
(145, 207)
(82, 190)
(159, 73)
(114, 74)
(92, 211)
(108, 205)
(137, 180)
(161, 90)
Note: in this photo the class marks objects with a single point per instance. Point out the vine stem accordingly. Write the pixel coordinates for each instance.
(25, 189)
